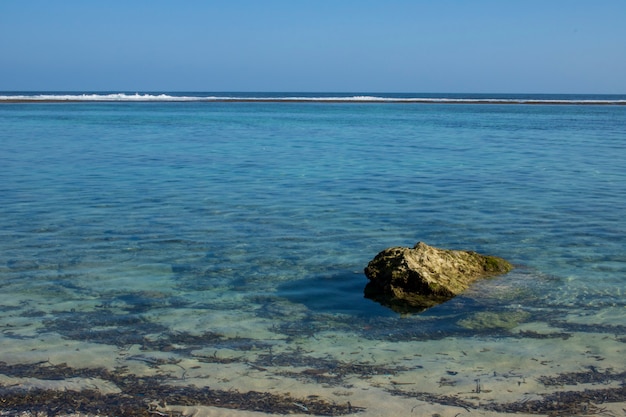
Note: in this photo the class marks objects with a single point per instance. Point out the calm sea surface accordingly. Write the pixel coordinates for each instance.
(249, 224)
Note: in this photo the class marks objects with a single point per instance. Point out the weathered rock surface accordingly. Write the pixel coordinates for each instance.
(423, 276)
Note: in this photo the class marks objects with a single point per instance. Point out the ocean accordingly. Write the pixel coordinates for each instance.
(209, 248)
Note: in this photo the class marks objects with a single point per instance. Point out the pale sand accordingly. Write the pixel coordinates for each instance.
(394, 410)
(478, 370)
(70, 384)
(448, 367)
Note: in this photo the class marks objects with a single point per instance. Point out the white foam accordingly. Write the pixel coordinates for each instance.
(97, 97)
(123, 97)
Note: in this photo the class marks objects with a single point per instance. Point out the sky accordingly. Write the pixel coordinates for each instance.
(430, 46)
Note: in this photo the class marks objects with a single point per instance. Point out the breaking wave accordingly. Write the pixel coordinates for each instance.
(392, 98)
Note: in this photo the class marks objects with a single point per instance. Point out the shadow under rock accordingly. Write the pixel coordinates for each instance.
(338, 293)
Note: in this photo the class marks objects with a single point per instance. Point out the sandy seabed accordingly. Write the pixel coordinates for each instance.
(448, 377)
(95, 360)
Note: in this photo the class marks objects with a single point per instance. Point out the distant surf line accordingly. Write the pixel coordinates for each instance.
(143, 98)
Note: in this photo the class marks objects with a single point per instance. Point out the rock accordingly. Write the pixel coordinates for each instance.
(416, 278)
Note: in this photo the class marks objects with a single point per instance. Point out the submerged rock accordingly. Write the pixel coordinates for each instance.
(423, 276)
(485, 320)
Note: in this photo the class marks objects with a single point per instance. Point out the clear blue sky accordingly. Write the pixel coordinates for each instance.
(518, 46)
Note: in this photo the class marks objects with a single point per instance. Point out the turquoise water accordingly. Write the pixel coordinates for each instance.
(122, 222)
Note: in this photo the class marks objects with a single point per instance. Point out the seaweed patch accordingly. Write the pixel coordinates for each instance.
(529, 334)
(556, 404)
(593, 376)
(323, 371)
(144, 396)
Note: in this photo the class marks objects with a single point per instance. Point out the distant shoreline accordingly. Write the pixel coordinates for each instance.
(323, 101)
(279, 97)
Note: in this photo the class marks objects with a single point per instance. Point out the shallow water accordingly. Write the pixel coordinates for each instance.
(203, 230)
